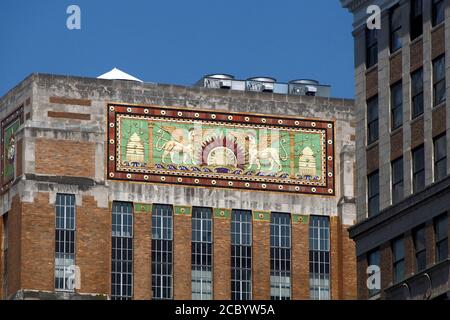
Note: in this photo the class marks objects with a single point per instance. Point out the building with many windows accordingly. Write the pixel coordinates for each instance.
(230, 189)
(402, 149)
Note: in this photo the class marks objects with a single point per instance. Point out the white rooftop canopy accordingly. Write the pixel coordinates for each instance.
(116, 74)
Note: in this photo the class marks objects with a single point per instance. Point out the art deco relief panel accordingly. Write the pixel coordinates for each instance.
(220, 149)
(9, 128)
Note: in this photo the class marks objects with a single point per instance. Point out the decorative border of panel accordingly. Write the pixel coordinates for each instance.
(219, 149)
(9, 127)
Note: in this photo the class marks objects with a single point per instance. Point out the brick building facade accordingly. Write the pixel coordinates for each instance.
(78, 222)
(402, 149)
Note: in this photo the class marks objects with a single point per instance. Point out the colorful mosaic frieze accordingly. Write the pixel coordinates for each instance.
(10, 125)
(220, 149)
(142, 208)
(262, 216)
(182, 210)
(220, 213)
(300, 219)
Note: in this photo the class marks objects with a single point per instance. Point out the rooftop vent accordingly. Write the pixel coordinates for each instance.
(304, 87)
(261, 84)
(116, 74)
(218, 81)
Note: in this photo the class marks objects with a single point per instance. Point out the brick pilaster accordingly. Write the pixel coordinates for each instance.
(142, 255)
(182, 274)
(261, 259)
(222, 258)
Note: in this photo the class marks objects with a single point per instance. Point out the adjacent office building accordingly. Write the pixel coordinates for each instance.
(402, 149)
(113, 188)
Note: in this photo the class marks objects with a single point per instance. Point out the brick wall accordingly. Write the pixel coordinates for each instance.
(409, 254)
(300, 261)
(362, 277)
(261, 260)
(14, 247)
(439, 120)
(93, 247)
(142, 256)
(416, 55)
(437, 42)
(417, 136)
(397, 145)
(182, 234)
(349, 274)
(386, 266)
(372, 159)
(336, 259)
(372, 83)
(429, 240)
(65, 158)
(395, 67)
(222, 259)
(38, 244)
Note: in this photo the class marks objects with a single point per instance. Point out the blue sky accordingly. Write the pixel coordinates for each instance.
(178, 41)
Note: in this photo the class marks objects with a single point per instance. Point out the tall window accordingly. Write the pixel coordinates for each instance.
(122, 251)
(441, 237)
(65, 242)
(319, 258)
(373, 194)
(5, 254)
(397, 180)
(398, 259)
(162, 251)
(420, 248)
(201, 253)
(396, 105)
(396, 29)
(418, 157)
(241, 255)
(372, 120)
(417, 93)
(439, 80)
(440, 157)
(416, 19)
(438, 12)
(373, 259)
(371, 47)
(280, 256)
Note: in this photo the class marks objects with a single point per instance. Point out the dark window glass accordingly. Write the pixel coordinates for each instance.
(417, 93)
(373, 194)
(162, 251)
(398, 259)
(373, 259)
(420, 248)
(396, 105)
(438, 12)
(396, 29)
(319, 257)
(439, 80)
(397, 180)
(122, 251)
(372, 120)
(418, 157)
(65, 242)
(371, 47)
(241, 255)
(441, 237)
(280, 256)
(440, 157)
(201, 253)
(416, 19)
